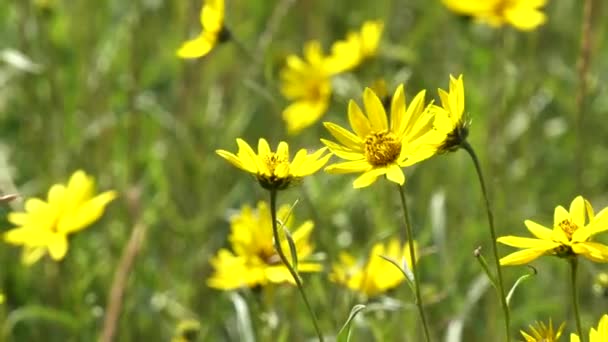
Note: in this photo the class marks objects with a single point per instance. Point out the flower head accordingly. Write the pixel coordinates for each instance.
(356, 48)
(307, 83)
(213, 33)
(253, 260)
(539, 332)
(187, 331)
(571, 236)
(450, 120)
(45, 226)
(374, 276)
(273, 170)
(524, 15)
(595, 335)
(375, 148)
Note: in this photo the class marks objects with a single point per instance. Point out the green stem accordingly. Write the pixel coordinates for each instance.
(410, 242)
(577, 316)
(501, 289)
(294, 274)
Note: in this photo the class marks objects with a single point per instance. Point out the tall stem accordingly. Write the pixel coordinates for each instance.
(574, 293)
(294, 274)
(501, 289)
(410, 242)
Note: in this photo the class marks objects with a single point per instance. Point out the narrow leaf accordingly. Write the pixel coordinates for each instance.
(344, 333)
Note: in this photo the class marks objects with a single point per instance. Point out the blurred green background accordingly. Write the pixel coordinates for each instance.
(96, 85)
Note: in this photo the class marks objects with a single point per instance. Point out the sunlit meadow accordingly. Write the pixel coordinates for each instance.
(161, 162)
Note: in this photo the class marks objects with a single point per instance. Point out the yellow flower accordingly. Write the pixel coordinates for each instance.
(307, 83)
(45, 226)
(377, 275)
(214, 32)
(599, 335)
(273, 170)
(524, 15)
(569, 237)
(187, 331)
(543, 333)
(375, 148)
(356, 48)
(450, 120)
(253, 260)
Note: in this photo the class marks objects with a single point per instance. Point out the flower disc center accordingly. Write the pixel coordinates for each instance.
(382, 148)
(568, 227)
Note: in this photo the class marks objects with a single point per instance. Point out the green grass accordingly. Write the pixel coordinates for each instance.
(112, 98)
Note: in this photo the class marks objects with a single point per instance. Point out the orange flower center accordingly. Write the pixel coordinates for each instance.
(382, 148)
(273, 161)
(568, 227)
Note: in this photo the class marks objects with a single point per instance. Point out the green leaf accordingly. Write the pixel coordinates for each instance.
(407, 273)
(39, 313)
(344, 333)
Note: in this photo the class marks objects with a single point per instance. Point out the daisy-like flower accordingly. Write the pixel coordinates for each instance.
(307, 83)
(273, 170)
(375, 275)
(253, 260)
(540, 332)
(450, 120)
(356, 48)
(595, 335)
(524, 15)
(45, 226)
(571, 236)
(213, 32)
(377, 149)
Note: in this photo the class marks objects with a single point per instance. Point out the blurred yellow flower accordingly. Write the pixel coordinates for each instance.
(45, 226)
(273, 170)
(213, 31)
(450, 120)
(375, 148)
(569, 237)
(524, 15)
(599, 335)
(540, 332)
(377, 275)
(253, 260)
(357, 47)
(307, 83)
(187, 331)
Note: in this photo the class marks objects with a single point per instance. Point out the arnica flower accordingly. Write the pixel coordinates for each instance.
(253, 260)
(356, 48)
(524, 15)
(45, 226)
(307, 83)
(375, 276)
(595, 335)
(377, 149)
(450, 120)
(540, 332)
(213, 33)
(273, 170)
(570, 236)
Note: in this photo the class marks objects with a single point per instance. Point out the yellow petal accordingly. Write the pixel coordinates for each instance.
(395, 174)
(283, 150)
(560, 215)
(574, 338)
(577, 211)
(521, 242)
(18, 219)
(212, 15)
(345, 137)
(342, 151)
(375, 111)
(86, 214)
(593, 250)
(368, 177)
(249, 159)
(234, 160)
(524, 19)
(312, 164)
(197, 47)
(359, 123)
(58, 246)
(521, 257)
(304, 113)
(354, 166)
(263, 147)
(398, 111)
(539, 231)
